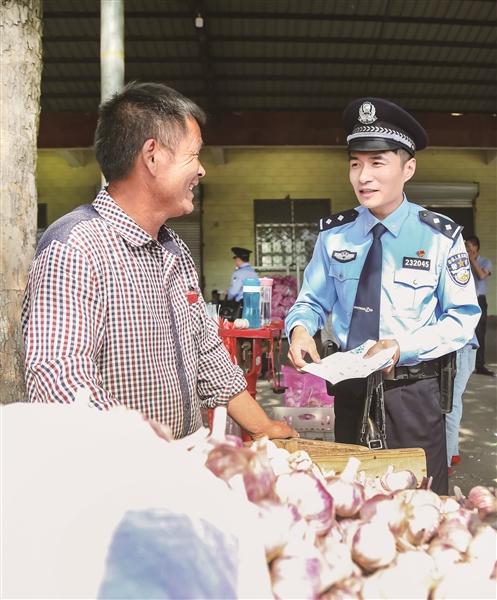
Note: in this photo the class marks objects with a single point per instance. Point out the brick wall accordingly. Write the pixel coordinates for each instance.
(271, 173)
(63, 186)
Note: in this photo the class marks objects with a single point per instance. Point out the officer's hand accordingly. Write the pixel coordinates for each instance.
(276, 429)
(301, 344)
(383, 345)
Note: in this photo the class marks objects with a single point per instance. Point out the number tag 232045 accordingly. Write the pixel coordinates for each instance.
(411, 262)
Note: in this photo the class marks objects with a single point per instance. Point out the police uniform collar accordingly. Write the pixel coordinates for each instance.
(393, 222)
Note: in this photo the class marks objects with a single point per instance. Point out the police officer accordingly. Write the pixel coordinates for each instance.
(243, 270)
(390, 271)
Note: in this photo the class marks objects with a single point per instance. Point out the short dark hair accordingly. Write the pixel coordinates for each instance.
(475, 240)
(140, 111)
(403, 154)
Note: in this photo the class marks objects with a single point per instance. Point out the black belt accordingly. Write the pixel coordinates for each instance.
(423, 370)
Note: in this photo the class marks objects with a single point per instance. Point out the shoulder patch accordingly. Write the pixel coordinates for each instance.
(442, 224)
(341, 218)
(459, 268)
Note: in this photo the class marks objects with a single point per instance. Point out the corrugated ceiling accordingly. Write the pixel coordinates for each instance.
(283, 54)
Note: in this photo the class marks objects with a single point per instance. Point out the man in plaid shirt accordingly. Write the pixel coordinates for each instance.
(113, 302)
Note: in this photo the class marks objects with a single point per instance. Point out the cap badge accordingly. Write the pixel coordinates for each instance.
(367, 113)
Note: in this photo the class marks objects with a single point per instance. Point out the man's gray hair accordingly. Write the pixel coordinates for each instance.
(140, 111)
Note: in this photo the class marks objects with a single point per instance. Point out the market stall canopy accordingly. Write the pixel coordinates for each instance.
(283, 57)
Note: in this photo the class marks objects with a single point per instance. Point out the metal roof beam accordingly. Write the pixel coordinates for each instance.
(284, 78)
(272, 128)
(285, 39)
(276, 60)
(254, 94)
(298, 16)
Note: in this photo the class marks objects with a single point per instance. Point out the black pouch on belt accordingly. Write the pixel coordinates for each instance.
(372, 433)
(447, 374)
(329, 348)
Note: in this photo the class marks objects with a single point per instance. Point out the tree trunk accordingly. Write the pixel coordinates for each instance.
(21, 64)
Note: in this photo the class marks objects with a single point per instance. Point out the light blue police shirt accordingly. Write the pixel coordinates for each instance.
(428, 299)
(235, 291)
(481, 284)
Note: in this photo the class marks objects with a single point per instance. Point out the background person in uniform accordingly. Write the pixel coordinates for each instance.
(482, 269)
(390, 271)
(243, 270)
(113, 302)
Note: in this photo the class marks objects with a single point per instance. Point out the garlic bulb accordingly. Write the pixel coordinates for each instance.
(226, 460)
(421, 497)
(300, 461)
(462, 580)
(422, 525)
(443, 555)
(449, 505)
(388, 509)
(454, 534)
(337, 557)
(373, 546)
(347, 589)
(296, 577)
(395, 582)
(482, 550)
(298, 572)
(310, 497)
(348, 495)
(419, 563)
(483, 500)
(394, 481)
(278, 459)
(276, 521)
(372, 487)
(348, 528)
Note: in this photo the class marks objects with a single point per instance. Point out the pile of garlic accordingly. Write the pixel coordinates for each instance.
(347, 536)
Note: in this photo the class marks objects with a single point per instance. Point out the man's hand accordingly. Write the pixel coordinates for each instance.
(301, 344)
(251, 417)
(276, 429)
(383, 345)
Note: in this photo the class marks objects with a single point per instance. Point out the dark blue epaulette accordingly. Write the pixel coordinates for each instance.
(341, 218)
(440, 223)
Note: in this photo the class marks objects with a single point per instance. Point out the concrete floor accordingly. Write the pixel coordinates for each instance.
(478, 432)
(478, 435)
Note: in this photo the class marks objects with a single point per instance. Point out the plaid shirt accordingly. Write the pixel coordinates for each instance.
(106, 307)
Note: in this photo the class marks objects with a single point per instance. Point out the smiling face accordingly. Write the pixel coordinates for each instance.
(179, 172)
(378, 179)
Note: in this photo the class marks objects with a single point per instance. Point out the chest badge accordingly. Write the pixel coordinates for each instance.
(344, 256)
(458, 267)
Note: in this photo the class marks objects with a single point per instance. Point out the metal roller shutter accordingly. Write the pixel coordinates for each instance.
(189, 228)
(441, 194)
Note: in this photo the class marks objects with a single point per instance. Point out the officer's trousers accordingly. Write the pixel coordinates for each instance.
(413, 420)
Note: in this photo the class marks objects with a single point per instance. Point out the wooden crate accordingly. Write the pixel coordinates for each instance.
(331, 456)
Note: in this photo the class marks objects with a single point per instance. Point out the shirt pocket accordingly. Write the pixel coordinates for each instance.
(346, 278)
(413, 289)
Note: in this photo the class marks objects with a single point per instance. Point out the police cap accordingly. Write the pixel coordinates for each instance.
(242, 253)
(377, 124)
